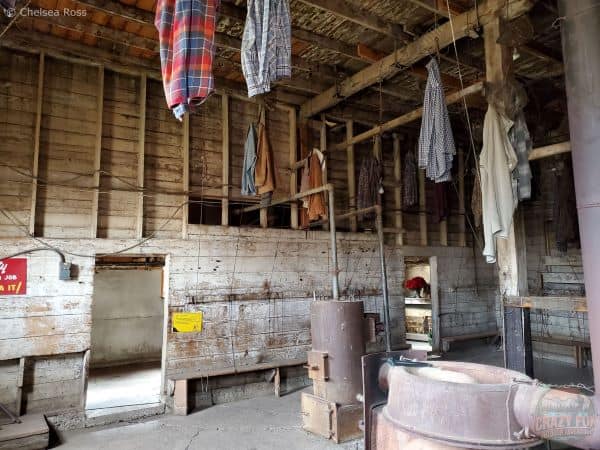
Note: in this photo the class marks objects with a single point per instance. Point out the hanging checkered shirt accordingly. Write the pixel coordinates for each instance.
(266, 44)
(186, 30)
(436, 142)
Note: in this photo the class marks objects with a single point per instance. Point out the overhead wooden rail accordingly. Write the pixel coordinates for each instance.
(427, 44)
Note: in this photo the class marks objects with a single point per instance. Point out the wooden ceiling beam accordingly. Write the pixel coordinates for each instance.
(427, 44)
(359, 16)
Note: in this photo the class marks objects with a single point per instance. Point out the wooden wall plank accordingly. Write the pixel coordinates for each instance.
(351, 168)
(140, 156)
(225, 180)
(422, 208)
(36, 141)
(293, 172)
(185, 185)
(97, 153)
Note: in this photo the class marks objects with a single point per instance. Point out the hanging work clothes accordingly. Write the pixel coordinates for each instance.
(521, 142)
(496, 162)
(565, 209)
(436, 142)
(265, 167)
(411, 188)
(186, 32)
(248, 180)
(476, 206)
(316, 202)
(266, 44)
(440, 197)
(369, 184)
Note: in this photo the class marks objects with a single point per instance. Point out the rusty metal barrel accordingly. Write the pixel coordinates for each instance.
(337, 330)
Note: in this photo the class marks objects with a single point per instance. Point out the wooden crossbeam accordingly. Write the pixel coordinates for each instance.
(441, 37)
(550, 150)
(406, 118)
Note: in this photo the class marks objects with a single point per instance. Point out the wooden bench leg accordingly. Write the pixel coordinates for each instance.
(445, 346)
(180, 404)
(277, 383)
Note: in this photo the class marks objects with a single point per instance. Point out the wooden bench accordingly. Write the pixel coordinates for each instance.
(581, 349)
(446, 341)
(180, 380)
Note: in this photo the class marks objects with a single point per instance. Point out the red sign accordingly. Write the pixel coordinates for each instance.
(13, 276)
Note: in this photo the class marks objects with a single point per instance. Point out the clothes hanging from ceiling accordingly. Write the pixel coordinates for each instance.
(369, 184)
(521, 141)
(265, 178)
(565, 223)
(411, 187)
(266, 44)
(316, 202)
(186, 32)
(436, 141)
(249, 167)
(476, 203)
(441, 207)
(496, 163)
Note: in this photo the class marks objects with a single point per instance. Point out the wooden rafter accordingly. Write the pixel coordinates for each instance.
(390, 65)
(360, 17)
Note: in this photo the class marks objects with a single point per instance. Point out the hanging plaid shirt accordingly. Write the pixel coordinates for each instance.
(186, 31)
(436, 142)
(266, 44)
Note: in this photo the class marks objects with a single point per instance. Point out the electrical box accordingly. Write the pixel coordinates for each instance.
(64, 271)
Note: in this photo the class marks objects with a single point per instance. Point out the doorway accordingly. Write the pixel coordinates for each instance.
(421, 302)
(127, 334)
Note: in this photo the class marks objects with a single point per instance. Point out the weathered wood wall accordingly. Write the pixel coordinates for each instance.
(549, 271)
(105, 129)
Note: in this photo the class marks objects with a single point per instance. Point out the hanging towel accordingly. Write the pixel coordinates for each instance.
(265, 168)
(436, 142)
(369, 184)
(497, 161)
(248, 183)
(186, 32)
(316, 202)
(411, 189)
(266, 44)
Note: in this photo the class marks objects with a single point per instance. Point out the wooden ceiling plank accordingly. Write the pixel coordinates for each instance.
(411, 53)
(360, 17)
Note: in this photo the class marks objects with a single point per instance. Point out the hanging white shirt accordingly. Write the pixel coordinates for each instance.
(496, 162)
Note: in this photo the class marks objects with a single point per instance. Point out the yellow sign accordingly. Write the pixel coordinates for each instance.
(190, 322)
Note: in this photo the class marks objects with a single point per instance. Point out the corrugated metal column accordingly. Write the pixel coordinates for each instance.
(581, 50)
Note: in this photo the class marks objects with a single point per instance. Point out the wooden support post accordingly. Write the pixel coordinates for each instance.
(323, 148)
(139, 228)
(98, 153)
(185, 212)
(398, 189)
(20, 378)
(422, 208)
(462, 237)
(226, 159)
(277, 382)
(180, 402)
(293, 171)
(85, 371)
(511, 257)
(351, 174)
(36, 141)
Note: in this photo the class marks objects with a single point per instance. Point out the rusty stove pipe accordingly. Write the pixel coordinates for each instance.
(535, 406)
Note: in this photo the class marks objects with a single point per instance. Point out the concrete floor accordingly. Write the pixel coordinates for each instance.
(266, 423)
(263, 423)
(129, 385)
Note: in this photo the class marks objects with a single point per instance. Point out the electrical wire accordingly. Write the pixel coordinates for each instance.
(32, 250)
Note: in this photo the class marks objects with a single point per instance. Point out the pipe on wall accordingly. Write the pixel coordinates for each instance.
(535, 406)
